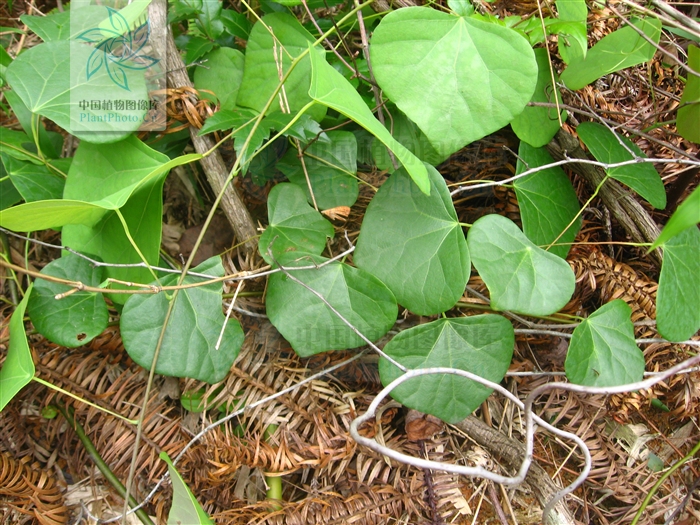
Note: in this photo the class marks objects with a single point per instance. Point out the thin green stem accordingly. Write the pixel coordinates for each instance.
(135, 246)
(678, 464)
(78, 398)
(100, 463)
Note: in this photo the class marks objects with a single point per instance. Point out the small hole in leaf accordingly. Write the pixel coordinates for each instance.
(81, 336)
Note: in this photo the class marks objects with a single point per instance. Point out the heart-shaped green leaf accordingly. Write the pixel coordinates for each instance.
(189, 345)
(602, 351)
(51, 79)
(18, 369)
(414, 244)
(478, 75)
(547, 201)
(537, 125)
(482, 345)
(330, 88)
(606, 147)
(331, 167)
(678, 300)
(264, 53)
(294, 225)
(222, 73)
(520, 276)
(618, 50)
(306, 321)
(74, 320)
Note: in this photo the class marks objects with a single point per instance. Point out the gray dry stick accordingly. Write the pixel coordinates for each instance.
(213, 165)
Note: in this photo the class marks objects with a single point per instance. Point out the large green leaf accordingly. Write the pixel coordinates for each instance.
(572, 39)
(687, 215)
(50, 142)
(331, 167)
(264, 53)
(482, 345)
(330, 88)
(537, 125)
(18, 368)
(520, 276)
(602, 351)
(189, 345)
(108, 174)
(222, 73)
(618, 50)
(185, 508)
(547, 201)
(34, 181)
(688, 118)
(74, 320)
(678, 299)
(475, 75)
(294, 225)
(414, 243)
(641, 177)
(306, 321)
(51, 79)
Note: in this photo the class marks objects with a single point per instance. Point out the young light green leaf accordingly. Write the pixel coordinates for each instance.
(331, 167)
(34, 182)
(479, 75)
(265, 52)
(520, 276)
(18, 369)
(678, 300)
(687, 215)
(602, 351)
(618, 50)
(330, 88)
(606, 147)
(481, 344)
(189, 345)
(222, 73)
(414, 244)
(547, 200)
(294, 225)
(74, 320)
(307, 322)
(41, 215)
(185, 508)
(51, 79)
(537, 125)
(688, 117)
